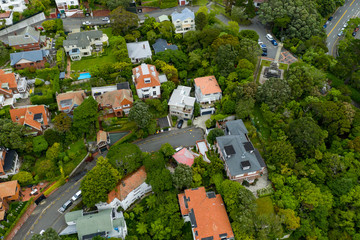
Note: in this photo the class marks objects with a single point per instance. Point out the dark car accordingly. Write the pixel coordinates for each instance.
(65, 206)
(264, 53)
(330, 18)
(325, 25)
(180, 123)
(354, 34)
(274, 42)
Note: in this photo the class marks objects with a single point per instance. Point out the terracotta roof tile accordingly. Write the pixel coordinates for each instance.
(101, 136)
(77, 98)
(184, 156)
(5, 14)
(8, 189)
(210, 213)
(8, 78)
(115, 98)
(126, 185)
(207, 85)
(146, 71)
(25, 116)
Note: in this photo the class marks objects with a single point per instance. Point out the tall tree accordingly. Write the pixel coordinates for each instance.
(182, 176)
(200, 21)
(85, 116)
(126, 157)
(213, 134)
(122, 20)
(140, 114)
(11, 134)
(39, 144)
(274, 92)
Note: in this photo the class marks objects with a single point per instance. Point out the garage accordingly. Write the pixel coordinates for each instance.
(206, 113)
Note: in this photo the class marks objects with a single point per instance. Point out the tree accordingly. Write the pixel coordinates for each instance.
(50, 233)
(290, 219)
(140, 114)
(141, 228)
(228, 106)
(62, 122)
(122, 20)
(182, 177)
(166, 89)
(280, 153)
(274, 92)
(306, 135)
(167, 150)
(52, 136)
(233, 28)
(200, 21)
(213, 134)
(250, 34)
(250, 50)
(53, 152)
(166, 29)
(126, 157)
(98, 182)
(85, 116)
(226, 58)
(244, 108)
(46, 169)
(23, 177)
(151, 201)
(11, 134)
(49, 26)
(112, 4)
(39, 144)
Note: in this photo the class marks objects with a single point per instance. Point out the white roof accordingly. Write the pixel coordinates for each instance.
(139, 49)
(185, 14)
(180, 97)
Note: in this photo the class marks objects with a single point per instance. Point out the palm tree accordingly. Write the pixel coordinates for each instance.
(151, 201)
(141, 228)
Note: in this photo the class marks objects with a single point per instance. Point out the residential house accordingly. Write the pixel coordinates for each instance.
(181, 104)
(183, 2)
(97, 91)
(184, 156)
(9, 162)
(81, 44)
(127, 191)
(162, 45)
(27, 39)
(183, 21)
(106, 223)
(206, 213)
(103, 140)
(13, 5)
(64, 5)
(163, 18)
(146, 80)
(6, 18)
(242, 160)
(139, 51)
(207, 91)
(118, 102)
(12, 86)
(34, 59)
(9, 192)
(68, 101)
(36, 119)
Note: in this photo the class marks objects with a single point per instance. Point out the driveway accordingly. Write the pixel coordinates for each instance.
(183, 137)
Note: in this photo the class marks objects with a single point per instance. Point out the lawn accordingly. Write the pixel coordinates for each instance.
(107, 31)
(118, 124)
(200, 2)
(86, 63)
(76, 154)
(266, 63)
(260, 122)
(265, 206)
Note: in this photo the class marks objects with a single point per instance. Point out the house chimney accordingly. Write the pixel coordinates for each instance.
(143, 46)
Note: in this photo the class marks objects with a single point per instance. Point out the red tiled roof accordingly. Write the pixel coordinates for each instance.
(77, 97)
(8, 189)
(207, 85)
(115, 98)
(7, 78)
(25, 116)
(101, 136)
(146, 71)
(210, 213)
(184, 156)
(5, 14)
(126, 185)
(2, 160)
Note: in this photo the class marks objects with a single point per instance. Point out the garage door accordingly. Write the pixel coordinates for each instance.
(206, 113)
(182, 3)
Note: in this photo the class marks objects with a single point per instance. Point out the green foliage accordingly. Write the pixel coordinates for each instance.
(23, 178)
(167, 150)
(166, 89)
(49, 233)
(61, 59)
(182, 177)
(140, 114)
(274, 92)
(213, 134)
(125, 157)
(85, 116)
(62, 122)
(122, 20)
(39, 144)
(98, 182)
(11, 134)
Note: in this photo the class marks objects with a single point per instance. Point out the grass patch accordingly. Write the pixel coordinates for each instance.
(107, 31)
(200, 2)
(75, 154)
(336, 83)
(118, 124)
(265, 206)
(218, 9)
(86, 63)
(260, 122)
(154, 3)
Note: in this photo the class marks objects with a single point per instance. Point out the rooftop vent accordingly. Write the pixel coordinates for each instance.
(245, 165)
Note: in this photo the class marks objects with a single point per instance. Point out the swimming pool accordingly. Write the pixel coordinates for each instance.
(84, 76)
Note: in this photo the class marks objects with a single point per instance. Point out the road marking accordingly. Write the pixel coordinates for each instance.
(337, 23)
(352, 3)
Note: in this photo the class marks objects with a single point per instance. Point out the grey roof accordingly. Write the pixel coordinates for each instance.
(82, 39)
(184, 14)
(62, 75)
(139, 49)
(32, 56)
(162, 78)
(122, 85)
(26, 36)
(161, 45)
(180, 97)
(237, 141)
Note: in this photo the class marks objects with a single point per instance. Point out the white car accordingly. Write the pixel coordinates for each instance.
(345, 25)
(42, 232)
(105, 19)
(86, 23)
(269, 37)
(76, 196)
(178, 148)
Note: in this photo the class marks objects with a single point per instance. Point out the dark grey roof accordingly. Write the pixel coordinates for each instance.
(123, 85)
(161, 45)
(81, 39)
(26, 36)
(32, 56)
(192, 218)
(9, 160)
(236, 127)
(163, 122)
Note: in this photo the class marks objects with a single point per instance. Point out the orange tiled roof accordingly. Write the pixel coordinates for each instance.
(8, 78)
(101, 136)
(126, 185)
(210, 213)
(5, 14)
(207, 85)
(116, 98)
(25, 116)
(2, 214)
(77, 97)
(8, 189)
(146, 71)
(2, 160)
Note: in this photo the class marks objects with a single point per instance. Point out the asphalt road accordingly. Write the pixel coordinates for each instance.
(350, 9)
(183, 137)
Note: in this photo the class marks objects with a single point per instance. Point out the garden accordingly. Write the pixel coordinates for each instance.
(15, 211)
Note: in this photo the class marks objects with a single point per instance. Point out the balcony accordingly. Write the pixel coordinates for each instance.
(22, 85)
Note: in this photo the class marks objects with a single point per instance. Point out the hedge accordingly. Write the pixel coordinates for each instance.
(56, 185)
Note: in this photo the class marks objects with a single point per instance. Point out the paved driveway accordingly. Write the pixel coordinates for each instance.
(183, 137)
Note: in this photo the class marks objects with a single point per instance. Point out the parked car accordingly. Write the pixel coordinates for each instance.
(86, 23)
(269, 37)
(264, 53)
(65, 206)
(105, 19)
(180, 123)
(76, 196)
(340, 33)
(42, 232)
(354, 34)
(263, 47)
(345, 25)
(325, 25)
(274, 42)
(178, 148)
(356, 29)
(330, 18)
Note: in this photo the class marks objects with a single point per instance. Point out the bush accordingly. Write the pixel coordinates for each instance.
(55, 186)
(189, 122)
(38, 82)
(245, 183)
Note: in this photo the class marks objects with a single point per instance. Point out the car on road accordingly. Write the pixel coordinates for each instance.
(274, 42)
(42, 232)
(65, 206)
(86, 23)
(264, 53)
(105, 19)
(76, 196)
(345, 25)
(340, 33)
(354, 34)
(180, 123)
(269, 37)
(325, 25)
(330, 18)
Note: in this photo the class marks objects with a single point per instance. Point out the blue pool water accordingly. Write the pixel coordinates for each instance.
(84, 76)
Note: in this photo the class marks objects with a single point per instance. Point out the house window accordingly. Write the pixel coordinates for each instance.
(72, 2)
(147, 80)
(154, 93)
(97, 39)
(17, 119)
(18, 65)
(31, 64)
(185, 21)
(154, 87)
(83, 47)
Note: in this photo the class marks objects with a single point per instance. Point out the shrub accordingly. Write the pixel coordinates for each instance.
(38, 82)
(245, 183)
(189, 122)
